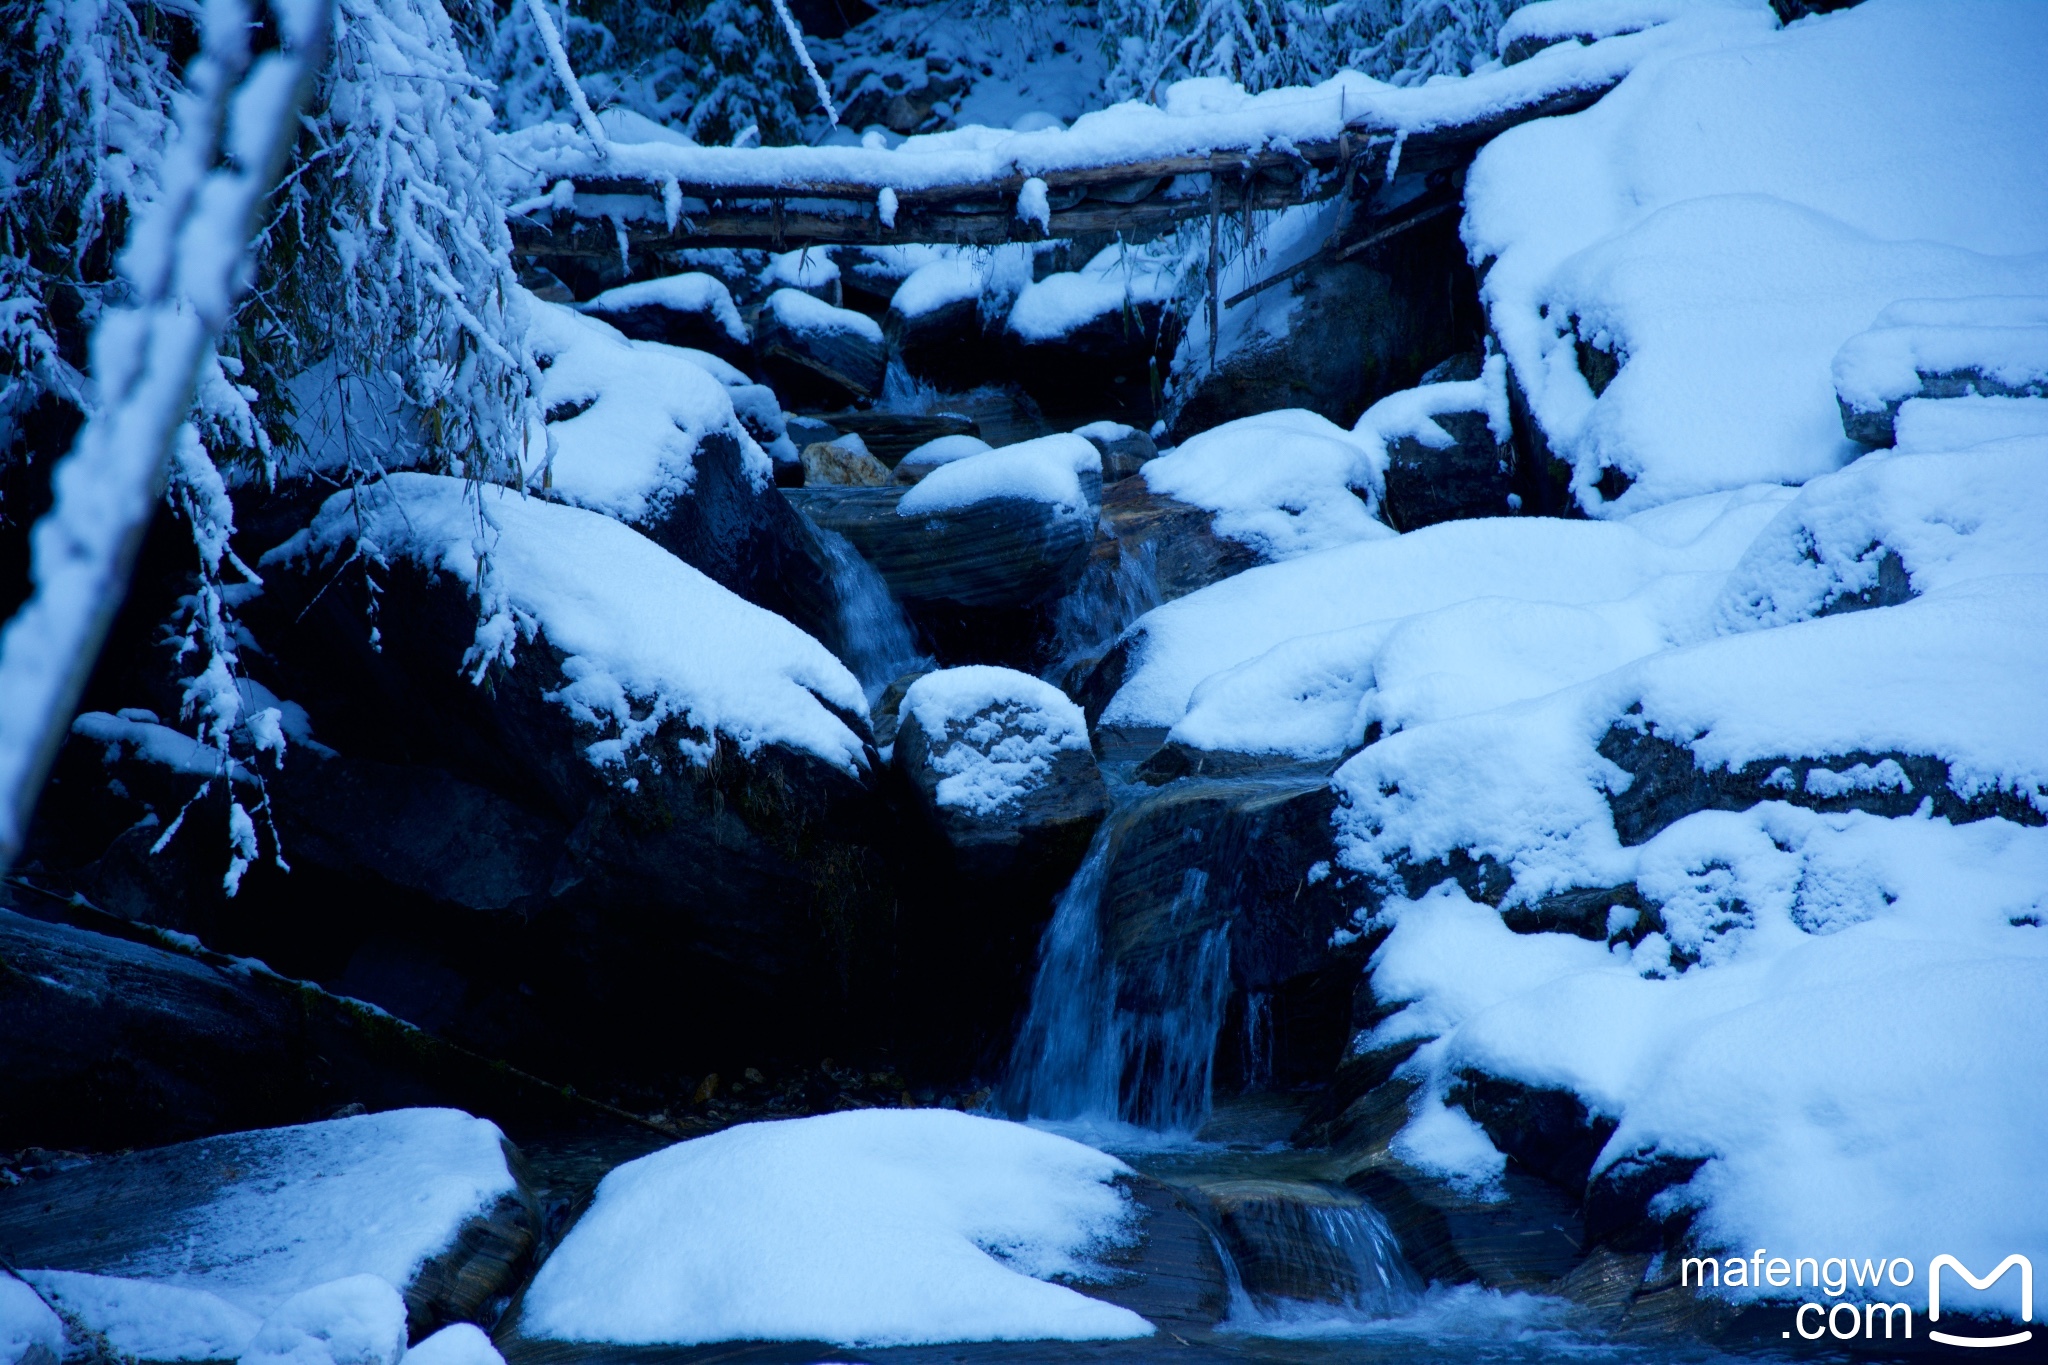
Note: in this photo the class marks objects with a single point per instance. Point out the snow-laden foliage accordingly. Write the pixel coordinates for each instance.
(1261, 44)
(712, 71)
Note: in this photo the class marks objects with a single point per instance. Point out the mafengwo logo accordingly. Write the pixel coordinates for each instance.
(1858, 1317)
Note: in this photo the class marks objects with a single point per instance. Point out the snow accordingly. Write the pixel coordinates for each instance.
(25, 1323)
(629, 618)
(801, 312)
(346, 422)
(934, 284)
(1550, 21)
(461, 1344)
(1033, 207)
(640, 409)
(1739, 207)
(1908, 936)
(1955, 423)
(359, 1320)
(2004, 340)
(1051, 308)
(155, 743)
(806, 269)
(1192, 118)
(1280, 482)
(1411, 413)
(870, 1227)
(1948, 517)
(1285, 655)
(994, 733)
(1046, 470)
(944, 450)
(690, 292)
(151, 1321)
(364, 1199)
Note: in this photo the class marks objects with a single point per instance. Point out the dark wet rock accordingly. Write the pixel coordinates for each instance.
(1894, 587)
(1525, 1241)
(116, 1212)
(885, 714)
(1173, 760)
(819, 357)
(722, 901)
(1005, 552)
(1549, 1131)
(889, 436)
(1125, 450)
(1185, 552)
(1174, 1276)
(946, 346)
(1356, 331)
(1879, 426)
(1102, 368)
(1618, 1201)
(746, 537)
(1667, 784)
(1472, 477)
(125, 1038)
(1587, 912)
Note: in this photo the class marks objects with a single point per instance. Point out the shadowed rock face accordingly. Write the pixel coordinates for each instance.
(945, 346)
(110, 1042)
(461, 860)
(1472, 477)
(698, 329)
(1102, 368)
(820, 368)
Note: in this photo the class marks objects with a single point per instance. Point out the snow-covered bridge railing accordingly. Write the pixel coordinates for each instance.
(1135, 169)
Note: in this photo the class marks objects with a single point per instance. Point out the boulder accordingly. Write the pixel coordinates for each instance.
(843, 463)
(1124, 449)
(427, 1200)
(659, 438)
(935, 326)
(719, 830)
(1179, 540)
(1333, 339)
(1449, 449)
(816, 355)
(1102, 366)
(692, 309)
(892, 435)
(925, 458)
(1002, 770)
(1939, 348)
(130, 1037)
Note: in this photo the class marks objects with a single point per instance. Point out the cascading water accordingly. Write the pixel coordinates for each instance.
(1084, 1055)
(1106, 600)
(875, 637)
(1289, 1249)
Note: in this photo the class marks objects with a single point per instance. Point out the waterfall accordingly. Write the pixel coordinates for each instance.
(1101, 605)
(1290, 1247)
(1083, 1055)
(875, 637)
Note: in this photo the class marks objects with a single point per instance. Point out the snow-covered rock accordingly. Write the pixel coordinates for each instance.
(1284, 658)
(1283, 483)
(1672, 272)
(1444, 448)
(923, 459)
(1082, 340)
(1062, 473)
(816, 355)
(705, 764)
(872, 1227)
(30, 1334)
(652, 436)
(1125, 449)
(999, 760)
(358, 1320)
(261, 1242)
(692, 309)
(1940, 348)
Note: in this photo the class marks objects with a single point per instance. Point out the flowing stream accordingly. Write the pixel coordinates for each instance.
(876, 641)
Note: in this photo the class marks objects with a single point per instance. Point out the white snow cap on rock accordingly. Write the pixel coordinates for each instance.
(801, 312)
(1413, 412)
(2004, 339)
(647, 637)
(1285, 657)
(690, 292)
(639, 411)
(946, 449)
(873, 1227)
(1046, 470)
(26, 1323)
(359, 1320)
(461, 1344)
(1049, 309)
(1743, 203)
(1023, 723)
(1281, 482)
(806, 268)
(361, 1202)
